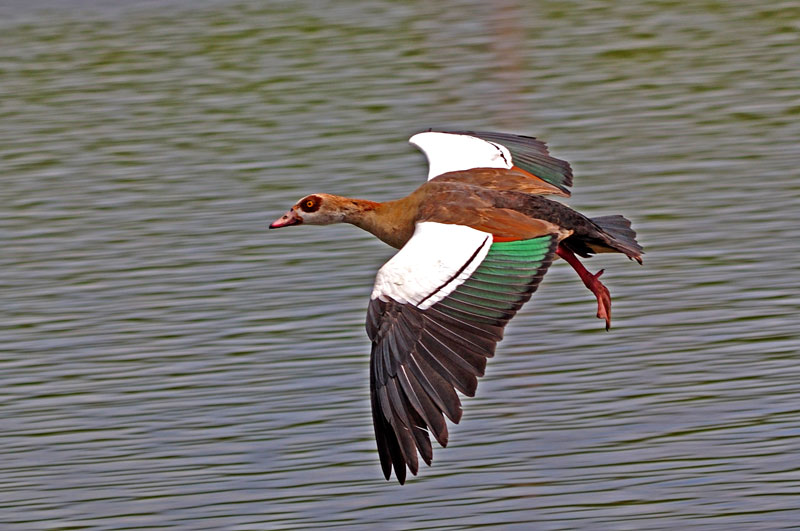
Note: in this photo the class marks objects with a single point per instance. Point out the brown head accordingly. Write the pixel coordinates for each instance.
(318, 209)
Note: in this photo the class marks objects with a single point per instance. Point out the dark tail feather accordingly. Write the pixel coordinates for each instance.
(623, 237)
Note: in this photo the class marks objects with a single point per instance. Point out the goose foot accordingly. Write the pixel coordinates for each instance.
(591, 281)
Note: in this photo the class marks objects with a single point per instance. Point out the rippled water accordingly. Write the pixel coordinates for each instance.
(167, 362)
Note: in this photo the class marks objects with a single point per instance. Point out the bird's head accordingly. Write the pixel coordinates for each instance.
(314, 209)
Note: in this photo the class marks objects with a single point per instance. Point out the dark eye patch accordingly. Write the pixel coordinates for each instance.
(310, 203)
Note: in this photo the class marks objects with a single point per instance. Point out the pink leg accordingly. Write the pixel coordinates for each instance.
(592, 282)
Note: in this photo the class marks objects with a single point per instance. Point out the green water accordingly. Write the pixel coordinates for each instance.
(165, 361)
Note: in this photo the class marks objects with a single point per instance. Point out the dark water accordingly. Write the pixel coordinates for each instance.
(167, 362)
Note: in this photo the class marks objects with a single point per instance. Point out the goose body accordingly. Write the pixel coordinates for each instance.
(474, 242)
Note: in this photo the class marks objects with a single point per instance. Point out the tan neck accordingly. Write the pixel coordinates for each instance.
(392, 222)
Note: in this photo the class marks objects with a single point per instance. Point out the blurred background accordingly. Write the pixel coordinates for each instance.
(165, 361)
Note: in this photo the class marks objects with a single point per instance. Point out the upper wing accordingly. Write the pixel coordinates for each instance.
(438, 309)
(449, 151)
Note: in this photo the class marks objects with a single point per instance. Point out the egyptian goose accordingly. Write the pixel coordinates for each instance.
(475, 241)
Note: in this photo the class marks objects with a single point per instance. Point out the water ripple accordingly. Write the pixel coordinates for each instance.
(167, 362)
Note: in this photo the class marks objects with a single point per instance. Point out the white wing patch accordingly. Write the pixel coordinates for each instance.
(452, 152)
(436, 260)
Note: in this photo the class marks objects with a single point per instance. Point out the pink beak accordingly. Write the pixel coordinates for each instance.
(288, 219)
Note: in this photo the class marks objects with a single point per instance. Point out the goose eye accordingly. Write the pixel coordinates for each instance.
(310, 204)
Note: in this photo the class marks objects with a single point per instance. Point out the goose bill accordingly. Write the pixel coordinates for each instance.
(288, 219)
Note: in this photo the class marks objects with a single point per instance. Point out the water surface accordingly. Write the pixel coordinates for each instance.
(168, 362)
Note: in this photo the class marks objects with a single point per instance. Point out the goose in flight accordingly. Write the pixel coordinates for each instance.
(474, 242)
